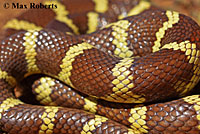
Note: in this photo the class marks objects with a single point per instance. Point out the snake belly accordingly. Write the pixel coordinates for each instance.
(143, 58)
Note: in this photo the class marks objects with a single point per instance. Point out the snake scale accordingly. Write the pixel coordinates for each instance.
(115, 56)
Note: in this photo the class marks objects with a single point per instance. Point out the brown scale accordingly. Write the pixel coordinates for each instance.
(116, 8)
(182, 31)
(58, 26)
(47, 55)
(176, 117)
(160, 73)
(5, 93)
(17, 65)
(46, 14)
(68, 121)
(170, 117)
(63, 95)
(141, 33)
(151, 72)
(140, 38)
(66, 96)
(94, 74)
(9, 64)
(95, 71)
(78, 14)
(52, 48)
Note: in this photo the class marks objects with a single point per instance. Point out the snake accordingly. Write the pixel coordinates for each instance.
(111, 67)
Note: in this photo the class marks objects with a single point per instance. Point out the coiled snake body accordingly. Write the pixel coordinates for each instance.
(150, 56)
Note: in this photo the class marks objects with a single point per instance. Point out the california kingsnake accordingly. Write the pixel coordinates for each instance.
(114, 63)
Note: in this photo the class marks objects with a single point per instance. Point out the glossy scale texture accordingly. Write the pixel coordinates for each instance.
(144, 58)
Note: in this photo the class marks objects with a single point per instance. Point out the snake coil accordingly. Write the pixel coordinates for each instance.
(148, 55)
